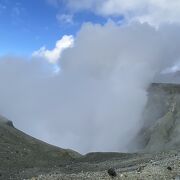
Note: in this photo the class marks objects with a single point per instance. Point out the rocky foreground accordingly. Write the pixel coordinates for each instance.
(24, 157)
(165, 166)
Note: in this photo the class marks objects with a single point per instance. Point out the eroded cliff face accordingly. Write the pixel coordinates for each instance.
(161, 119)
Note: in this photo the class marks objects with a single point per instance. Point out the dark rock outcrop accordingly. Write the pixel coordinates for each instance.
(6, 121)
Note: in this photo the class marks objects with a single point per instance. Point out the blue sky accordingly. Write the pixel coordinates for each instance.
(27, 25)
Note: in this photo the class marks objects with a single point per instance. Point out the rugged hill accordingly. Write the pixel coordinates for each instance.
(161, 118)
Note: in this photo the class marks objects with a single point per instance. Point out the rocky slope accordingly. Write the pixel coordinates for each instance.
(161, 119)
(19, 152)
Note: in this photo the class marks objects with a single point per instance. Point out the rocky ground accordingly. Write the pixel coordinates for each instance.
(157, 166)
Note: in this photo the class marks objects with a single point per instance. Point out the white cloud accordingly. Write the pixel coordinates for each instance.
(65, 18)
(54, 55)
(154, 12)
(173, 69)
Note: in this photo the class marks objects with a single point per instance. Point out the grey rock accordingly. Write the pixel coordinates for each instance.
(161, 119)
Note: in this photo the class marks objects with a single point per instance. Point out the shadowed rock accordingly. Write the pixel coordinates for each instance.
(161, 119)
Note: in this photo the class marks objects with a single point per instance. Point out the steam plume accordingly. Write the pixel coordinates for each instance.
(96, 100)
